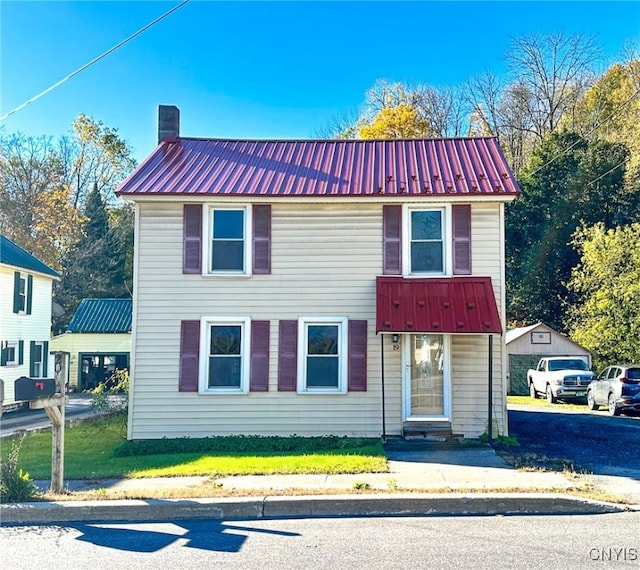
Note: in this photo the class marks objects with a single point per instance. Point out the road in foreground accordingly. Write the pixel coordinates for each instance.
(546, 542)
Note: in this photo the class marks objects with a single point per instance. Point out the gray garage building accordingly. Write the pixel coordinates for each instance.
(526, 345)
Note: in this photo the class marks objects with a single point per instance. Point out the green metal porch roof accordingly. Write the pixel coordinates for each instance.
(102, 316)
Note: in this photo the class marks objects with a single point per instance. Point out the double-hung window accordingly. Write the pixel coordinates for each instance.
(420, 241)
(427, 239)
(22, 295)
(10, 353)
(36, 360)
(226, 240)
(225, 347)
(323, 362)
(228, 251)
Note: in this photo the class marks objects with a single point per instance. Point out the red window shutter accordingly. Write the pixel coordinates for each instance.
(288, 356)
(461, 239)
(259, 379)
(192, 239)
(262, 239)
(189, 356)
(392, 240)
(357, 356)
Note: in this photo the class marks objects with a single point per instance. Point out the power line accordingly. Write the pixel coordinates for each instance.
(604, 121)
(95, 60)
(608, 171)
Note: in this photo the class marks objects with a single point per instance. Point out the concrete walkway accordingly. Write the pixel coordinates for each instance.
(457, 481)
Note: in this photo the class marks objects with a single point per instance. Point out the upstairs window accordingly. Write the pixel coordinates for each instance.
(424, 242)
(226, 241)
(22, 293)
(427, 241)
(228, 247)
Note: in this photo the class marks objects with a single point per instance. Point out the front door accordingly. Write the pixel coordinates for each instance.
(426, 378)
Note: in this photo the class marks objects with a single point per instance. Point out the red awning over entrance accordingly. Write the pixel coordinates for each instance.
(436, 305)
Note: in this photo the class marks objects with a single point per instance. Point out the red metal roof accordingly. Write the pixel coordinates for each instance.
(460, 166)
(438, 305)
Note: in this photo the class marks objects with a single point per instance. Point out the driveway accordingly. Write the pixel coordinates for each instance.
(24, 421)
(593, 441)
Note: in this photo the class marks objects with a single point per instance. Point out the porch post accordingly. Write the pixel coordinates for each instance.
(490, 395)
(384, 433)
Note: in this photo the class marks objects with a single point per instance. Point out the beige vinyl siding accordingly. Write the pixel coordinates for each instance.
(16, 327)
(94, 343)
(325, 258)
(470, 381)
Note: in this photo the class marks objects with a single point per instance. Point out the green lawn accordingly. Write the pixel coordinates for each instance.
(90, 452)
(542, 402)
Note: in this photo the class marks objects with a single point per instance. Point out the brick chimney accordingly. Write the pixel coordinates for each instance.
(168, 122)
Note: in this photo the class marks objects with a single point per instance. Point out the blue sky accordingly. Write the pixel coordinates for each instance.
(260, 69)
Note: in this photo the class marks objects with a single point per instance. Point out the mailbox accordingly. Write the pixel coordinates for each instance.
(27, 389)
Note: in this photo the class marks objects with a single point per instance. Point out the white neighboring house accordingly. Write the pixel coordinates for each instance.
(527, 345)
(25, 317)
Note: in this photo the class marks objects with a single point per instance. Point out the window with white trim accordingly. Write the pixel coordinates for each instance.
(323, 355)
(426, 251)
(36, 359)
(229, 248)
(224, 355)
(22, 294)
(10, 353)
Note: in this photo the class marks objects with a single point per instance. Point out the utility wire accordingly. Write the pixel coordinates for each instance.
(608, 171)
(106, 53)
(597, 126)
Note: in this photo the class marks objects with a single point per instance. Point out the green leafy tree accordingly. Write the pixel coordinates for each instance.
(97, 265)
(606, 320)
(560, 191)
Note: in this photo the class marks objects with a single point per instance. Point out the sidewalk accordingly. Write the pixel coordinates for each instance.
(433, 482)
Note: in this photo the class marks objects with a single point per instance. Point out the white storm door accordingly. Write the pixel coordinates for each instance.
(426, 379)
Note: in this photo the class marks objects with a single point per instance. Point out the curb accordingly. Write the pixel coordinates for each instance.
(304, 507)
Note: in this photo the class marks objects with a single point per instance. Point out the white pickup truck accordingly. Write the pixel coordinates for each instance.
(560, 377)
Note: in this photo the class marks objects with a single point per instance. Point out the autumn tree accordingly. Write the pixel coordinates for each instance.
(94, 155)
(398, 110)
(610, 111)
(607, 281)
(35, 206)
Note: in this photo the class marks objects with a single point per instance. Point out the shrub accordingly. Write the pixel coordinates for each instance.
(15, 485)
(246, 444)
(112, 395)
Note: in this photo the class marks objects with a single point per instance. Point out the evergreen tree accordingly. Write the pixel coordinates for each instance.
(95, 266)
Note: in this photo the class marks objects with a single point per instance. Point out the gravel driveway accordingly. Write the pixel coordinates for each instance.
(591, 441)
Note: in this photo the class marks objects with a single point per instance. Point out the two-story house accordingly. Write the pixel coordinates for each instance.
(313, 287)
(26, 284)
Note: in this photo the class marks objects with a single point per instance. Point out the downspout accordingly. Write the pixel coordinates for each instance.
(490, 395)
(384, 433)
